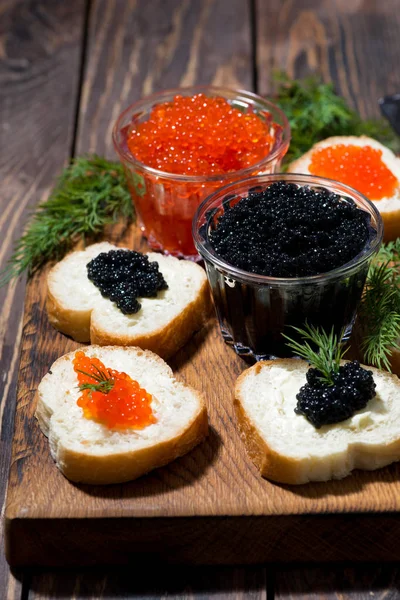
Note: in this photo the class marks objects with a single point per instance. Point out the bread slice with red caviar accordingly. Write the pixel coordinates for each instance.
(87, 451)
(164, 323)
(388, 206)
(287, 448)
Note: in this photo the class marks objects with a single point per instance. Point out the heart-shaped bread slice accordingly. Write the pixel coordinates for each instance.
(163, 324)
(287, 448)
(87, 451)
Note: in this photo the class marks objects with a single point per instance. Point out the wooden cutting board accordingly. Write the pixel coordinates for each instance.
(210, 506)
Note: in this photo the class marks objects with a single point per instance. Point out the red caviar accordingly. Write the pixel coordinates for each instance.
(125, 406)
(361, 167)
(201, 135)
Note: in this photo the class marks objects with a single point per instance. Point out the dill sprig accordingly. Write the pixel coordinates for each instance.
(389, 252)
(329, 351)
(90, 193)
(379, 313)
(316, 112)
(104, 383)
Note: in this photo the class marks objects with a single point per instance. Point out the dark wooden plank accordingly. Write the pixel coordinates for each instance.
(341, 582)
(353, 44)
(39, 64)
(158, 582)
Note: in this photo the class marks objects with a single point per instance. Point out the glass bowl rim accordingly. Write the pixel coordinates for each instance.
(246, 276)
(128, 157)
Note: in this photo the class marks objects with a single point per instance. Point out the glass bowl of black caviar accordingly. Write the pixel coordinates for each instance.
(281, 250)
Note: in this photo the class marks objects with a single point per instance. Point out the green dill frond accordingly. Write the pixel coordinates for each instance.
(316, 112)
(103, 386)
(379, 313)
(104, 383)
(329, 351)
(389, 252)
(377, 346)
(90, 193)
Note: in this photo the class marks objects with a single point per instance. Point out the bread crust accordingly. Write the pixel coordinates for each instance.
(167, 340)
(391, 225)
(391, 219)
(123, 467)
(76, 324)
(271, 465)
(395, 361)
(82, 467)
(83, 326)
(285, 469)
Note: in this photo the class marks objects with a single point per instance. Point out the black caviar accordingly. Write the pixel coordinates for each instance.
(290, 231)
(125, 275)
(324, 404)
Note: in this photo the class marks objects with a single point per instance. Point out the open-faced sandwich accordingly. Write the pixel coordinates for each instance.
(113, 413)
(302, 423)
(115, 296)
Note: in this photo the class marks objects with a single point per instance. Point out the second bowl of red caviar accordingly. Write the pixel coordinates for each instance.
(179, 146)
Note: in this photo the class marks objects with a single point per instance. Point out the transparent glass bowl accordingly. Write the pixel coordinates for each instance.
(165, 203)
(254, 310)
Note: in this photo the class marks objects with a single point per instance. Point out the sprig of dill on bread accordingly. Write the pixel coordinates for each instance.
(324, 353)
(104, 383)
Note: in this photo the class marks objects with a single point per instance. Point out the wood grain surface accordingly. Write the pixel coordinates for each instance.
(171, 582)
(39, 70)
(340, 583)
(132, 49)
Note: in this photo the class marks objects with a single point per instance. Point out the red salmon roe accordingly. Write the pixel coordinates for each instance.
(198, 135)
(125, 406)
(361, 167)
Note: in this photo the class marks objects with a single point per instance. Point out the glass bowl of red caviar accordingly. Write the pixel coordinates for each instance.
(178, 146)
(283, 250)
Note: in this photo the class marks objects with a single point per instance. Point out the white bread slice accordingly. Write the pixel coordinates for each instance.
(89, 452)
(164, 324)
(388, 207)
(287, 448)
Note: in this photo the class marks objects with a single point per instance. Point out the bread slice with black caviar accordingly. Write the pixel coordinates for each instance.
(164, 323)
(287, 448)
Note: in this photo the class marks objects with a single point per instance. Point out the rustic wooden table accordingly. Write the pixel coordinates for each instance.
(67, 68)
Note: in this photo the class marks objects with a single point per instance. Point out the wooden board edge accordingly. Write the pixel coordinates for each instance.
(203, 540)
